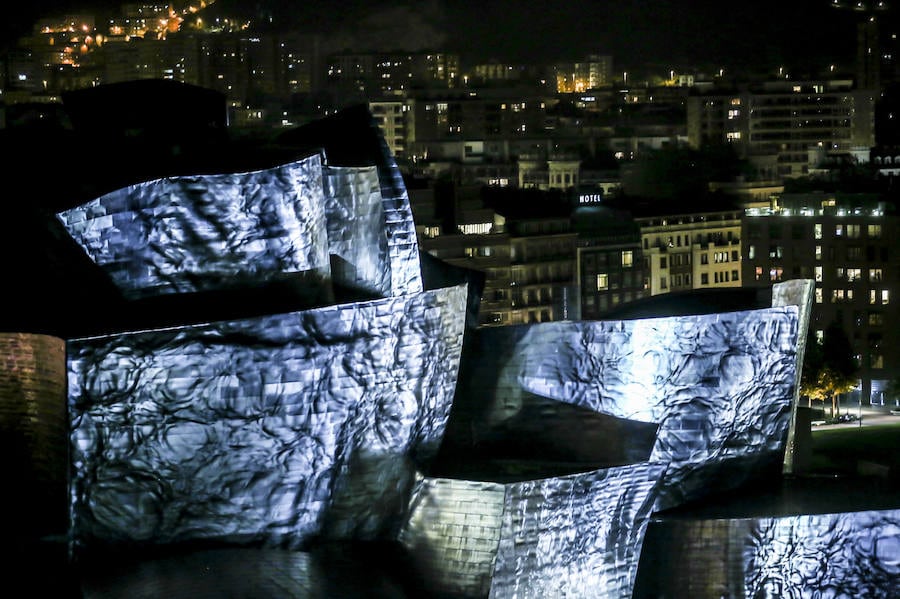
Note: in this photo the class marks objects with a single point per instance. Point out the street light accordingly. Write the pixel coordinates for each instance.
(859, 405)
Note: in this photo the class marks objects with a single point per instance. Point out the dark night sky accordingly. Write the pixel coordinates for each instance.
(669, 33)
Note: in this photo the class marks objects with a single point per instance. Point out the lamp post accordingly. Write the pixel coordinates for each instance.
(859, 405)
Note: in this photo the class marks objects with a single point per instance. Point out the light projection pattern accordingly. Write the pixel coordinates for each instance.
(356, 229)
(270, 429)
(574, 536)
(453, 530)
(720, 386)
(850, 554)
(406, 270)
(206, 232)
(569, 536)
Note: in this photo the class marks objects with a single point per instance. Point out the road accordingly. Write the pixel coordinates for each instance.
(871, 416)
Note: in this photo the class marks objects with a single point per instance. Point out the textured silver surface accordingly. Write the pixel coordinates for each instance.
(569, 536)
(206, 232)
(720, 386)
(271, 429)
(356, 229)
(850, 554)
(406, 270)
(574, 536)
(453, 533)
(798, 293)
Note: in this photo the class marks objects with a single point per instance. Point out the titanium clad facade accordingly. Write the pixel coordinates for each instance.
(575, 536)
(834, 554)
(454, 529)
(356, 229)
(207, 232)
(253, 430)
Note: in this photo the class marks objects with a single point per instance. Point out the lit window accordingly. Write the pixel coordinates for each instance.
(839, 230)
(759, 272)
(751, 253)
(854, 274)
(876, 361)
(818, 295)
(874, 274)
(817, 230)
(818, 252)
(602, 282)
(853, 231)
(733, 135)
(876, 319)
(885, 296)
(627, 258)
(818, 274)
(776, 274)
(874, 231)
(873, 297)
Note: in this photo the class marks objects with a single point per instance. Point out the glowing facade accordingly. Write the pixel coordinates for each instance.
(287, 431)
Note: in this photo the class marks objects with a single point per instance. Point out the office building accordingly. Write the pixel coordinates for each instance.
(847, 244)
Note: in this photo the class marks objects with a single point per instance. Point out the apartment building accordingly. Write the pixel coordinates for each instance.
(375, 74)
(847, 244)
(777, 125)
(691, 250)
(527, 254)
(611, 269)
(594, 72)
(390, 117)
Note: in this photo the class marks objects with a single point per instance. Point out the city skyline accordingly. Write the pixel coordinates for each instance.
(803, 36)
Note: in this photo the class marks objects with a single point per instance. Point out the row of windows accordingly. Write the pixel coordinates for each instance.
(799, 231)
(685, 259)
(604, 302)
(851, 274)
(606, 281)
(677, 281)
(685, 240)
(876, 296)
(720, 277)
(849, 231)
(850, 252)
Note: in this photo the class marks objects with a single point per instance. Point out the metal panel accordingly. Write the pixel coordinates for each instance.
(273, 429)
(850, 554)
(356, 229)
(574, 536)
(835, 554)
(453, 532)
(719, 386)
(207, 232)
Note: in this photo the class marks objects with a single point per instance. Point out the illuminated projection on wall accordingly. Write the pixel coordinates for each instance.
(285, 430)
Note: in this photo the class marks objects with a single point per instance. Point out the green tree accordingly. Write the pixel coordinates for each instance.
(813, 361)
(829, 369)
(892, 390)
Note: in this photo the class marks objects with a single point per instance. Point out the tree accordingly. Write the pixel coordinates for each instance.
(829, 368)
(892, 390)
(813, 361)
